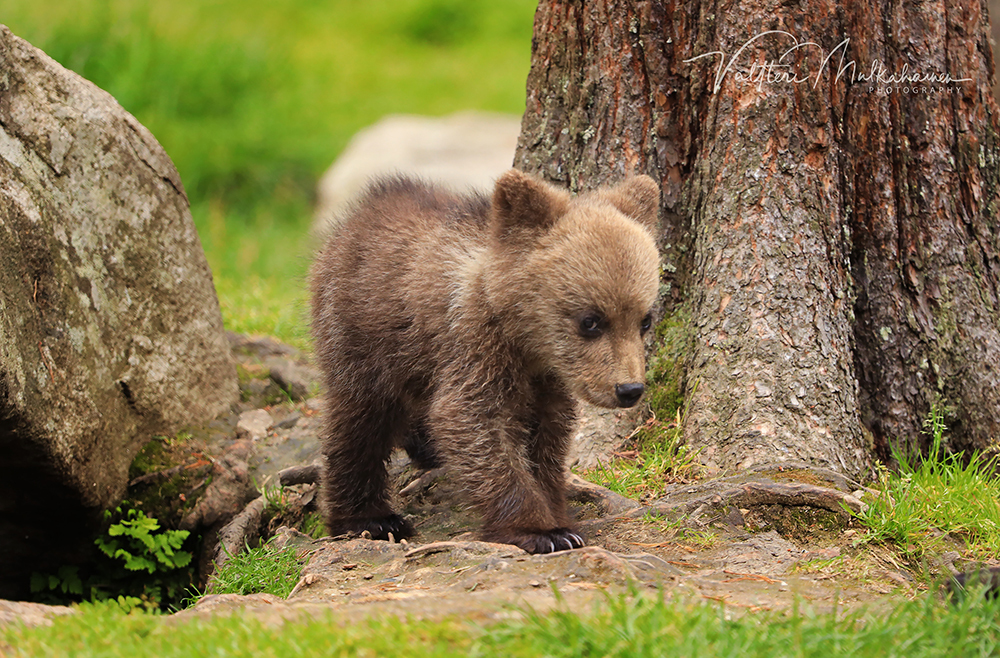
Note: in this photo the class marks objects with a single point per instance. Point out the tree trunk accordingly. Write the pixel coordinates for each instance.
(833, 245)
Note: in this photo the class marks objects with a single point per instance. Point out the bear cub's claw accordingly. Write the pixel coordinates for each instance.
(379, 528)
(550, 541)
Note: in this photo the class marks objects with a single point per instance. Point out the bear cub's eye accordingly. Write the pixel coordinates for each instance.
(647, 322)
(590, 325)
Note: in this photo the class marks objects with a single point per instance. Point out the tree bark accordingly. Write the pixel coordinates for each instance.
(833, 245)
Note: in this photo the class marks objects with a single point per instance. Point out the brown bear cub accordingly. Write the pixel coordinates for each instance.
(462, 328)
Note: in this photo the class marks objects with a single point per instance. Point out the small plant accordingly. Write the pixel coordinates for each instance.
(701, 538)
(65, 580)
(138, 541)
(313, 525)
(656, 459)
(941, 495)
(138, 564)
(275, 501)
(661, 522)
(264, 569)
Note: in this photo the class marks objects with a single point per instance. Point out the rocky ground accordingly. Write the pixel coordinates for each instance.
(755, 541)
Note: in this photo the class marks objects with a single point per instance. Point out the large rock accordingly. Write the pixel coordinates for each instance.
(110, 330)
(464, 151)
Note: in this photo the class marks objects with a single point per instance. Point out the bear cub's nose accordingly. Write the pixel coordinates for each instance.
(629, 394)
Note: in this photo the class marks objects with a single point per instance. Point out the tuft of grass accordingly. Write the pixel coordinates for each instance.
(701, 538)
(655, 458)
(264, 569)
(656, 455)
(629, 625)
(943, 494)
(275, 499)
(313, 525)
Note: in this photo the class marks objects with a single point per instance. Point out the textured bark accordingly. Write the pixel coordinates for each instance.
(994, 12)
(242, 530)
(920, 177)
(833, 246)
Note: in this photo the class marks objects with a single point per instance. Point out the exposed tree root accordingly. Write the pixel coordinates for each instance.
(242, 530)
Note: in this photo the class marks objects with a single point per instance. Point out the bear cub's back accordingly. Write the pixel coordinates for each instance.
(391, 267)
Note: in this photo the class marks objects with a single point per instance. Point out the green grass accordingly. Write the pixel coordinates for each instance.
(656, 456)
(943, 493)
(264, 569)
(254, 99)
(627, 626)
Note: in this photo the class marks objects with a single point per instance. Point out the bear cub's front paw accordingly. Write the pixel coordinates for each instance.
(548, 541)
(379, 528)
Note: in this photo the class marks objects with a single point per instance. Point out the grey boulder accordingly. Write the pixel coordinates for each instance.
(110, 330)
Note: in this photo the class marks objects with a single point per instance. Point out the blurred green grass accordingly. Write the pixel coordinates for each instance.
(254, 99)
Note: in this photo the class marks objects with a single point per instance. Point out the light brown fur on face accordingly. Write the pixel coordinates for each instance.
(463, 328)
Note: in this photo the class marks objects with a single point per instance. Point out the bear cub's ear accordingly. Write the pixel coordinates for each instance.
(525, 206)
(638, 197)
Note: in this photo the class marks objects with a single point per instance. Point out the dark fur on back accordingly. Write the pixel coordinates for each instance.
(431, 315)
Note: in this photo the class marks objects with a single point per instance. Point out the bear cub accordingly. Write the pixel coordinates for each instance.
(463, 329)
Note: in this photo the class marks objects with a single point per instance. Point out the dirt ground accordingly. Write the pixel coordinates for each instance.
(761, 541)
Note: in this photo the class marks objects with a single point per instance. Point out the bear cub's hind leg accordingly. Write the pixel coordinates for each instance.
(357, 443)
(418, 446)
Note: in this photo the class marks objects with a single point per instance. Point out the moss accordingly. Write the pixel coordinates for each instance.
(169, 495)
(150, 459)
(803, 475)
(664, 372)
(160, 453)
(803, 524)
(171, 499)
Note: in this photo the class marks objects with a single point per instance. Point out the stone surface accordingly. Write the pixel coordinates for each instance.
(468, 150)
(359, 578)
(31, 614)
(299, 380)
(600, 432)
(759, 540)
(764, 539)
(253, 424)
(110, 330)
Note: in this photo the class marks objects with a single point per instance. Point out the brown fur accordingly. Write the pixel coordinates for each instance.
(451, 326)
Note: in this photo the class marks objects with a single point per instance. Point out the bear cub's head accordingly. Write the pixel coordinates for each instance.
(578, 277)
